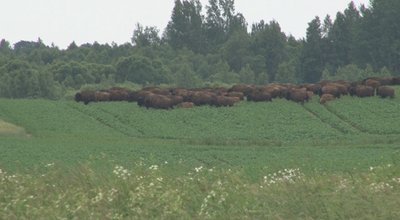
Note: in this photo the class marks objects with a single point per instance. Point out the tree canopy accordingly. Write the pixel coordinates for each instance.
(212, 44)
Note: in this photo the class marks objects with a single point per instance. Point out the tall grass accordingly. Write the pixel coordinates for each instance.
(143, 191)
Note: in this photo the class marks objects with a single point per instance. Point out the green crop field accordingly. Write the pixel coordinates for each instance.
(119, 161)
(345, 133)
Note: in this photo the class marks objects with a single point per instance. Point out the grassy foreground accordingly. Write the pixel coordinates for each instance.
(143, 191)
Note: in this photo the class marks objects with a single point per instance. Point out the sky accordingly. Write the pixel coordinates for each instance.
(106, 21)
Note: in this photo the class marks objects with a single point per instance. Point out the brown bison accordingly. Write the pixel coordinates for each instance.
(331, 89)
(396, 80)
(315, 88)
(259, 96)
(385, 91)
(102, 96)
(202, 98)
(326, 98)
(118, 94)
(85, 96)
(220, 101)
(364, 91)
(373, 83)
(298, 95)
(245, 89)
(185, 105)
(158, 101)
(239, 95)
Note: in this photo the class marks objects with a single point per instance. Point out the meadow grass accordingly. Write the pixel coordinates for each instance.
(278, 160)
(145, 191)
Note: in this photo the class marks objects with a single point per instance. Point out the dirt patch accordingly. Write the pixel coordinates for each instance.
(8, 129)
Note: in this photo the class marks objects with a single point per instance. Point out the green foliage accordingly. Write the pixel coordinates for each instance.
(144, 37)
(186, 77)
(147, 191)
(286, 73)
(353, 73)
(213, 47)
(18, 79)
(246, 75)
(141, 70)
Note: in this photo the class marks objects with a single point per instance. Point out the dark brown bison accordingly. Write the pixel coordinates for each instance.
(326, 98)
(385, 91)
(315, 88)
(245, 89)
(373, 83)
(382, 80)
(298, 95)
(158, 101)
(275, 90)
(331, 89)
(239, 95)
(259, 96)
(396, 80)
(220, 101)
(85, 96)
(202, 98)
(102, 96)
(185, 105)
(176, 99)
(364, 91)
(118, 94)
(141, 97)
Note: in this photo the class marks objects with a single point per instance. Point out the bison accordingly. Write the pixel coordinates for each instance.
(185, 105)
(259, 96)
(364, 91)
(385, 91)
(373, 83)
(158, 101)
(298, 95)
(220, 101)
(331, 89)
(85, 96)
(102, 96)
(326, 98)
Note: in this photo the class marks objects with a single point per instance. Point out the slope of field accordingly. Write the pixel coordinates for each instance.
(7, 129)
(345, 133)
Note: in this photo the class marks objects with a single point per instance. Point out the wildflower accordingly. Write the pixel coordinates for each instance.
(121, 172)
(151, 184)
(198, 169)
(286, 175)
(49, 165)
(379, 187)
(98, 198)
(153, 167)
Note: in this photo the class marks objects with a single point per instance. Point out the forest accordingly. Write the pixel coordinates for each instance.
(211, 45)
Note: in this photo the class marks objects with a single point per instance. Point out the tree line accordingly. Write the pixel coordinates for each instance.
(212, 45)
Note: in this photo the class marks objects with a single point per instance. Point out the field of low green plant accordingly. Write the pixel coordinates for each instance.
(328, 144)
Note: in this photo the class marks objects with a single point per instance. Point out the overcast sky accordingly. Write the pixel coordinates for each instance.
(105, 21)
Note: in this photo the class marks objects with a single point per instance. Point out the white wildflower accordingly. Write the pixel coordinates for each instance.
(121, 172)
(49, 165)
(198, 169)
(153, 167)
(98, 198)
(286, 175)
(379, 187)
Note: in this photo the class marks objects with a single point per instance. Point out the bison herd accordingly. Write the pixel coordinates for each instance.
(167, 98)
